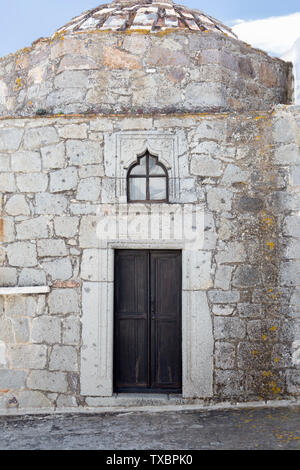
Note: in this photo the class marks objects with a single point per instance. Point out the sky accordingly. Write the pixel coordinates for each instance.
(272, 25)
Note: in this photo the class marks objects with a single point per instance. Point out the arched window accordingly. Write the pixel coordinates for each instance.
(147, 180)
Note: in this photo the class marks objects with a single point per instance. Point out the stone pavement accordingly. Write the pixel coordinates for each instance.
(253, 428)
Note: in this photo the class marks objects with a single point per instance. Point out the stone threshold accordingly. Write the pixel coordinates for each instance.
(223, 406)
(24, 290)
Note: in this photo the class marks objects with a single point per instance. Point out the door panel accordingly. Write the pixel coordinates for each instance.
(147, 343)
(131, 319)
(166, 319)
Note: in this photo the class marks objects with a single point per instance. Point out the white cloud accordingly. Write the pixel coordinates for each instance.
(275, 35)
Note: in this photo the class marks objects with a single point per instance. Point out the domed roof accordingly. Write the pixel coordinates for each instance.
(147, 15)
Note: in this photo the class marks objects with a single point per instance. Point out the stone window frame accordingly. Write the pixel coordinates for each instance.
(122, 148)
(149, 179)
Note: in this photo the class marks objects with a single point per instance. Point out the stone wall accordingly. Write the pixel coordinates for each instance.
(139, 72)
(243, 170)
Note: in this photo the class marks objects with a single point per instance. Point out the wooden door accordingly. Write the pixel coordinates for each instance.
(147, 331)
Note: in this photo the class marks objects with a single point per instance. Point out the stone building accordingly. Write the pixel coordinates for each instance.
(150, 197)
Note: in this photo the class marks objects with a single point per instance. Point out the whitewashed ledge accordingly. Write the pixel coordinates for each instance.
(24, 290)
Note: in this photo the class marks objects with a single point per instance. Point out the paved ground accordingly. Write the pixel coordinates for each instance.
(277, 428)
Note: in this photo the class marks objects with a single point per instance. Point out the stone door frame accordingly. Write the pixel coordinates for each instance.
(96, 375)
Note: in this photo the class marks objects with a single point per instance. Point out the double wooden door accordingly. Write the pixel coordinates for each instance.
(147, 321)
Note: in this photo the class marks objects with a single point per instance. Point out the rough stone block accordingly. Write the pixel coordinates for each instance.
(223, 277)
(46, 329)
(283, 132)
(20, 306)
(64, 358)
(286, 154)
(28, 356)
(66, 227)
(101, 124)
(53, 156)
(7, 183)
(63, 180)
(12, 379)
(224, 297)
(17, 205)
(65, 97)
(250, 204)
(4, 162)
(32, 182)
(21, 330)
(8, 277)
(89, 171)
(293, 381)
(246, 276)
(39, 137)
(254, 356)
(292, 226)
(32, 277)
(47, 381)
(249, 310)
(224, 355)
(233, 174)
(74, 78)
(204, 95)
(234, 252)
(26, 162)
(84, 208)
(22, 254)
(206, 166)
(29, 400)
(66, 401)
(32, 228)
(89, 189)
(73, 131)
(6, 330)
(50, 204)
(108, 190)
(63, 301)
(59, 269)
(71, 331)
(51, 247)
(84, 152)
(290, 273)
(229, 384)
(219, 199)
(88, 232)
(228, 328)
(223, 310)
(8, 229)
(10, 139)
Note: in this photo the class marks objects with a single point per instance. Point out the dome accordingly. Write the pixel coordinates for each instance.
(141, 57)
(147, 15)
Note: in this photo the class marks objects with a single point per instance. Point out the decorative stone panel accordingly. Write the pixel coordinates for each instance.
(123, 148)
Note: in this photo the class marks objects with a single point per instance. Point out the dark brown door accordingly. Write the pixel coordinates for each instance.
(147, 331)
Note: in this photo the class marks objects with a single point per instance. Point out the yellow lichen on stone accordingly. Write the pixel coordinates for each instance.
(18, 83)
(275, 389)
(267, 220)
(266, 373)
